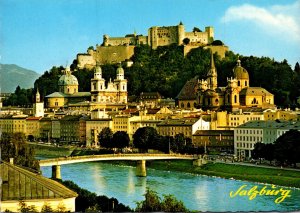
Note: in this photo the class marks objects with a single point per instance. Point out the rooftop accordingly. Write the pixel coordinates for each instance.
(178, 122)
(188, 92)
(21, 184)
(277, 124)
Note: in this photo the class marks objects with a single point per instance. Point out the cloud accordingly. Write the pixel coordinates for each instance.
(279, 20)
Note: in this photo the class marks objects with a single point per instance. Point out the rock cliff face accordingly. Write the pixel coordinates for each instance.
(12, 75)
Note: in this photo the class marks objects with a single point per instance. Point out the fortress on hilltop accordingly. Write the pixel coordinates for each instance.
(119, 49)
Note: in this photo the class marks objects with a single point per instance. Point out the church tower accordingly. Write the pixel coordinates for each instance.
(121, 85)
(38, 106)
(212, 74)
(97, 85)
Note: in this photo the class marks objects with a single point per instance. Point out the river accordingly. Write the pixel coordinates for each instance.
(200, 193)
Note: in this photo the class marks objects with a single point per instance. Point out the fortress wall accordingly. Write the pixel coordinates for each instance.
(113, 54)
(116, 41)
(84, 60)
(221, 50)
(201, 37)
(142, 40)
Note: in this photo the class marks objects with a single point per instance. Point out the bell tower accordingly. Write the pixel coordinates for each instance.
(97, 85)
(38, 106)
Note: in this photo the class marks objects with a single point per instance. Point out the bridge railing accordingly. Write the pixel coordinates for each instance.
(67, 158)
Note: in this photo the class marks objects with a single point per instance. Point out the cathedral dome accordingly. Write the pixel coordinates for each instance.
(67, 79)
(240, 72)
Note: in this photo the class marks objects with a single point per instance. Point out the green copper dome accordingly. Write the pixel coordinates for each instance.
(67, 79)
(240, 72)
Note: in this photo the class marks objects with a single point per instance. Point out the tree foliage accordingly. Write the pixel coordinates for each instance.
(153, 203)
(48, 82)
(21, 97)
(14, 146)
(105, 138)
(285, 149)
(87, 200)
(120, 139)
(145, 138)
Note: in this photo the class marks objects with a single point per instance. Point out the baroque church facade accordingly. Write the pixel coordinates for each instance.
(102, 95)
(236, 95)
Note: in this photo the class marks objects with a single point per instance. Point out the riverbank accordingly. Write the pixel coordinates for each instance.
(50, 151)
(240, 172)
(274, 176)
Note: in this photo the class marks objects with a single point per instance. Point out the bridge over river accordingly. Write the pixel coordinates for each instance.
(140, 158)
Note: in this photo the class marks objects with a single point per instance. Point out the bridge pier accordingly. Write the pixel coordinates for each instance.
(141, 168)
(56, 172)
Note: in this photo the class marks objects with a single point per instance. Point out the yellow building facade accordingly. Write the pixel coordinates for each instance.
(13, 124)
(33, 126)
(236, 95)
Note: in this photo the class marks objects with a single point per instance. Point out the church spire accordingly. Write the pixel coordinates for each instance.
(212, 74)
(37, 96)
(212, 62)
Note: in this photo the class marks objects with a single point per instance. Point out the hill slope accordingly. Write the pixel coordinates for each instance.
(12, 75)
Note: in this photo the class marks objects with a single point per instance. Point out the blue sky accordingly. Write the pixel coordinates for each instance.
(39, 34)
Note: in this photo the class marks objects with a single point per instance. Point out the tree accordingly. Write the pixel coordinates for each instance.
(268, 152)
(258, 151)
(120, 139)
(144, 138)
(287, 148)
(179, 143)
(153, 203)
(196, 29)
(297, 68)
(88, 201)
(186, 41)
(25, 208)
(46, 208)
(171, 204)
(15, 146)
(105, 137)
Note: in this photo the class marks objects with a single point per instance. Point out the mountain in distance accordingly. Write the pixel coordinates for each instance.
(12, 75)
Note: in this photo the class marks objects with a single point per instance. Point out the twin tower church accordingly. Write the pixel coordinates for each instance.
(102, 95)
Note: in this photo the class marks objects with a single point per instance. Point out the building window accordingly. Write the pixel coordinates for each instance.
(245, 83)
(188, 105)
(235, 99)
(239, 83)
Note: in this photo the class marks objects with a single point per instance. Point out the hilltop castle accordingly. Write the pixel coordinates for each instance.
(118, 49)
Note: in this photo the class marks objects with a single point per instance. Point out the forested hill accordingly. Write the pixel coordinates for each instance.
(12, 75)
(166, 70)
